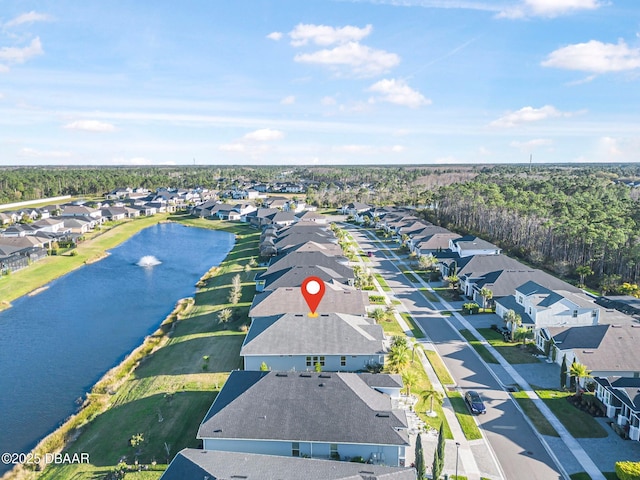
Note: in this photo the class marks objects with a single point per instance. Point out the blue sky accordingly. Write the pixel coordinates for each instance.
(294, 82)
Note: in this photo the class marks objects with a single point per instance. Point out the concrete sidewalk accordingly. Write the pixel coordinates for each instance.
(568, 440)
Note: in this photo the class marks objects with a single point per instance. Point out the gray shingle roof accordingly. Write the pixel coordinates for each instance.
(311, 407)
(300, 334)
(294, 276)
(193, 464)
(304, 259)
(290, 300)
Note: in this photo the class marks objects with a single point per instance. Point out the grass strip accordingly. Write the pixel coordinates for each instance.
(391, 327)
(467, 423)
(383, 283)
(410, 276)
(579, 424)
(514, 353)
(478, 346)
(429, 295)
(439, 367)
(417, 333)
(537, 418)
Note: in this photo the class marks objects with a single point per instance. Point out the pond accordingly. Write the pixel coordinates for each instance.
(55, 345)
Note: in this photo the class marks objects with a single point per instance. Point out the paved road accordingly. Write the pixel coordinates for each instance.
(519, 451)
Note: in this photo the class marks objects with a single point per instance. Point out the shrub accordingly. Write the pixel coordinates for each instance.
(628, 470)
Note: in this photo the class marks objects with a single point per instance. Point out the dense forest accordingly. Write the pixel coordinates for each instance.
(574, 222)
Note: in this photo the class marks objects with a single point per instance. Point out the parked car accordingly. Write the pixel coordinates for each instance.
(369, 254)
(474, 402)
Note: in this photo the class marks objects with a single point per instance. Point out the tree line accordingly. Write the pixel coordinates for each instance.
(575, 223)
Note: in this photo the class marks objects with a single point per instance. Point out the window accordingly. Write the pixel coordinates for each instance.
(575, 313)
(519, 298)
(343, 361)
(311, 361)
(295, 449)
(334, 451)
(594, 313)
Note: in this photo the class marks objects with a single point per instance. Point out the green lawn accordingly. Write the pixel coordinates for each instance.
(465, 418)
(168, 394)
(579, 423)
(429, 295)
(446, 293)
(382, 282)
(417, 333)
(377, 299)
(439, 367)
(410, 276)
(512, 352)
(537, 418)
(479, 347)
(391, 327)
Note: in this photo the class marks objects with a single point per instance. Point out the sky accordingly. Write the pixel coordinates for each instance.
(319, 82)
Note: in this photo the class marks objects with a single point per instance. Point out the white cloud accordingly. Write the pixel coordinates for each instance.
(361, 60)
(288, 100)
(325, 35)
(90, 126)
(529, 114)
(531, 144)
(328, 101)
(548, 8)
(610, 146)
(264, 135)
(398, 92)
(398, 148)
(595, 56)
(275, 36)
(29, 17)
(581, 81)
(447, 4)
(33, 153)
(21, 54)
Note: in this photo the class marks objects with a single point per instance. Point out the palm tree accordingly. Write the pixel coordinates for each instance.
(486, 295)
(378, 315)
(427, 262)
(453, 281)
(431, 395)
(578, 371)
(398, 358)
(513, 320)
(409, 379)
(584, 271)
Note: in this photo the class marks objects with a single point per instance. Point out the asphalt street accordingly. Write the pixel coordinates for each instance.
(518, 449)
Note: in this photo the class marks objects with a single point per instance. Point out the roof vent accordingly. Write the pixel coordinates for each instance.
(298, 315)
(321, 384)
(305, 375)
(218, 430)
(324, 375)
(382, 415)
(282, 374)
(324, 314)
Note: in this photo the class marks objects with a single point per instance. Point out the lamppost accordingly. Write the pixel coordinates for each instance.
(457, 448)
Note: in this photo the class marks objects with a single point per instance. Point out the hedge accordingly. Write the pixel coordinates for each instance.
(628, 470)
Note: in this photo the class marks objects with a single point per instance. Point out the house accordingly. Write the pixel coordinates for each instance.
(470, 245)
(262, 216)
(336, 299)
(607, 350)
(114, 213)
(79, 225)
(309, 414)
(338, 342)
(328, 248)
(621, 398)
(119, 193)
(19, 230)
(281, 203)
(475, 267)
(294, 276)
(7, 218)
(308, 216)
(192, 463)
(501, 283)
(355, 208)
(282, 219)
(296, 259)
(51, 225)
(623, 303)
(430, 243)
(80, 211)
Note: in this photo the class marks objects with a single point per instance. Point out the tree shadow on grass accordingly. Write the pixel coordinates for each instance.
(187, 357)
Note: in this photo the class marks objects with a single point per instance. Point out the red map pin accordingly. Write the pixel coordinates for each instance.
(312, 291)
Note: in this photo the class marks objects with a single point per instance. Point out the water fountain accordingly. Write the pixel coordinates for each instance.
(148, 261)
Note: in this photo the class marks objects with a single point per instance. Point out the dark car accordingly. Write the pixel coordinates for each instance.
(474, 402)
(369, 254)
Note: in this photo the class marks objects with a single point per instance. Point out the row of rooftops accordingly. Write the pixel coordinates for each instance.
(325, 407)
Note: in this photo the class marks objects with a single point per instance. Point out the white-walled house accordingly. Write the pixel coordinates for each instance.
(470, 245)
(621, 398)
(317, 415)
(296, 341)
(541, 307)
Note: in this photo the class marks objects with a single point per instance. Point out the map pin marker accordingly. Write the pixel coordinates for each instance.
(312, 291)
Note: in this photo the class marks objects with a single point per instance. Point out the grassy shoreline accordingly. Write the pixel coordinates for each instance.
(39, 274)
(150, 391)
